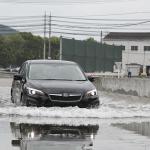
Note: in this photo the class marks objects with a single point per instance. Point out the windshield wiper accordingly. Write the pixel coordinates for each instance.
(58, 79)
(63, 79)
(79, 80)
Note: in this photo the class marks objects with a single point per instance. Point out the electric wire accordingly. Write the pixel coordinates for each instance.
(72, 25)
(99, 19)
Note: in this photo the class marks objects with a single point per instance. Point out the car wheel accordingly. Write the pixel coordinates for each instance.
(12, 99)
(17, 99)
(23, 101)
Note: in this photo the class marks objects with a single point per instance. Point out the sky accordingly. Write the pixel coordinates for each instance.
(72, 7)
(93, 9)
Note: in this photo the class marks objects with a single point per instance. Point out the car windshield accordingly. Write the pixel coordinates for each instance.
(54, 71)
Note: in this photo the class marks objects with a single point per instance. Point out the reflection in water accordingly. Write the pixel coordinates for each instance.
(142, 128)
(55, 137)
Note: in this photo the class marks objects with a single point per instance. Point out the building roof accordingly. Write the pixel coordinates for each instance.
(133, 64)
(128, 35)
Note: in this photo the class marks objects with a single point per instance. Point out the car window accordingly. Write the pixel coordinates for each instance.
(22, 70)
(56, 72)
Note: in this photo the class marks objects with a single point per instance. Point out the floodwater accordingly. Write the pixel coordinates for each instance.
(121, 122)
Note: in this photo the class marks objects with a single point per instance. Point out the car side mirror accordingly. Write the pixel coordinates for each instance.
(92, 79)
(15, 142)
(18, 77)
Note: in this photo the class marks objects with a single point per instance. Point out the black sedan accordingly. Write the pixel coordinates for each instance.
(53, 83)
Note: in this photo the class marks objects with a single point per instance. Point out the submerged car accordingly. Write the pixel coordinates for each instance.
(53, 83)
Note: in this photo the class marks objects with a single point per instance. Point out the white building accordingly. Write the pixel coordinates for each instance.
(136, 48)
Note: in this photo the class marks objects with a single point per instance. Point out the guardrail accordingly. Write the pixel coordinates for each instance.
(6, 74)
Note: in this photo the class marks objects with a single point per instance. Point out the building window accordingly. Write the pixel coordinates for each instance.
(146, 48)
(134, 48)
(123, 47)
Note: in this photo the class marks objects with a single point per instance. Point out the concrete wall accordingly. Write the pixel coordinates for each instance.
(129, 86)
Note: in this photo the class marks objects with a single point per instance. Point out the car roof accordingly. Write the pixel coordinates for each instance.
(50, 61)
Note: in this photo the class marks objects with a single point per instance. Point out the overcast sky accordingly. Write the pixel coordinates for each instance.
(73, 7)
(118, 9)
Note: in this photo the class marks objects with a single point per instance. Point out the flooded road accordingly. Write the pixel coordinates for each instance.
(23, 133)
(122, 122)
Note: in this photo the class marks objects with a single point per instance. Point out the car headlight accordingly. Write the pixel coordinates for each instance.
(91, 93)
(32, 91)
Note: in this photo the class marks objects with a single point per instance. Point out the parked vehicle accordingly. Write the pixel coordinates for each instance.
(12, 69)
(53, 83)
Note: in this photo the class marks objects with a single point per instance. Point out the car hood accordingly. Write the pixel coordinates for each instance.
(55, 86)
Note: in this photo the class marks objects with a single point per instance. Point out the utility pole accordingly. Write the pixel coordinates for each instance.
(44, 48)
(60, 51)
(101, 38)
(49, 48)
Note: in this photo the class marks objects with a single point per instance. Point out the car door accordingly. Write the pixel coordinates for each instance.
(18, 85)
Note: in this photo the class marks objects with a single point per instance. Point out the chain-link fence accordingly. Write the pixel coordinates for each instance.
(91, 55)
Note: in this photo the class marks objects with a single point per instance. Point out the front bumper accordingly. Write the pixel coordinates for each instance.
(47, 102)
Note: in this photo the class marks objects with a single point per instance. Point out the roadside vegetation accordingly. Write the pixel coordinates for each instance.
(19, 47)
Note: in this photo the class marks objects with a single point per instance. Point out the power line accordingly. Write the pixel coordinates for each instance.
(101, 24)
(69, 29)
(18, 17)
(72, 25)
(79, 22)
(99, 19)
(85, 23)
(70, 33)
(115, 14)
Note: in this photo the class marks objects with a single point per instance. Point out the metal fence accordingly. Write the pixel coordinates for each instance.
(92, 56)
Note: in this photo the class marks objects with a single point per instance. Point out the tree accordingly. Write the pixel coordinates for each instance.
(19, 47)
(55, 47)
(90, 40)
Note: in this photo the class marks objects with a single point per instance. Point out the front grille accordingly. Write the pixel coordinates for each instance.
(65, 97)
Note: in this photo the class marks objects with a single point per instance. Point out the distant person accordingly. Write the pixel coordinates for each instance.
(129, 74)
(141, 71)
